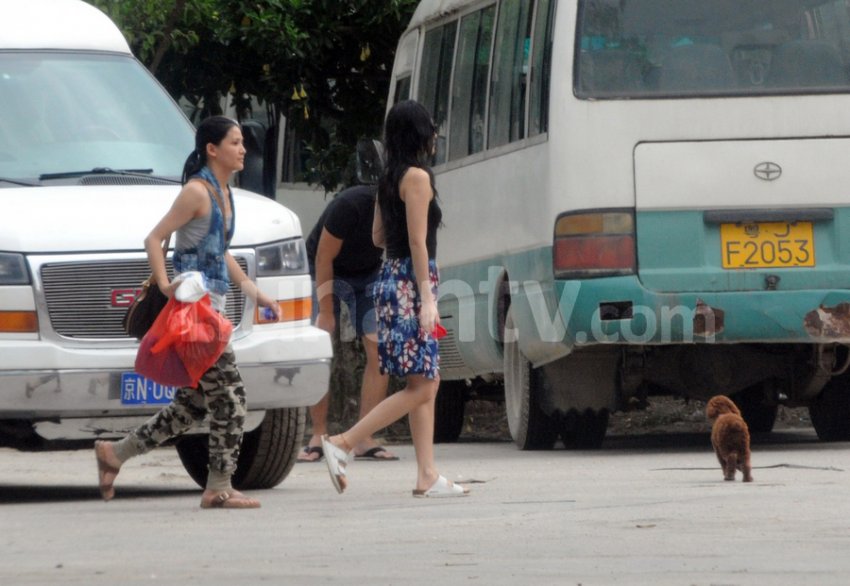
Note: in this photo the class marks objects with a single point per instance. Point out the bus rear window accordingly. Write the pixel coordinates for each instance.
(690, 48)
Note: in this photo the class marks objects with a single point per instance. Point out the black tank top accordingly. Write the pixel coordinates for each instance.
(394, 216)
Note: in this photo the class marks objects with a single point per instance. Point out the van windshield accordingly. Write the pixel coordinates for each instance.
(67, 111)
(689, 48)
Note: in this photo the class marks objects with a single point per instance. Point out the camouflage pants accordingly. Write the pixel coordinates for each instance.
(221, 394)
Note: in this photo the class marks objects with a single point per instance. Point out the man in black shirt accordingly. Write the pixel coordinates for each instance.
(344, 264)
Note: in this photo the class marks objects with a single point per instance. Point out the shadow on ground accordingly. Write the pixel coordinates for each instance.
(11, 494)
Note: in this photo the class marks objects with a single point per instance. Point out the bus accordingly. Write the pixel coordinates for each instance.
(640, 198)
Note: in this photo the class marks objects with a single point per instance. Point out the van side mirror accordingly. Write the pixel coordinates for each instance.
(370, 161)
(258, 175)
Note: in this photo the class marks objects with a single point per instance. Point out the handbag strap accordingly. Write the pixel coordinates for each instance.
(214, 192)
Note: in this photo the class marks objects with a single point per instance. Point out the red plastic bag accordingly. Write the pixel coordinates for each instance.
(183, 343)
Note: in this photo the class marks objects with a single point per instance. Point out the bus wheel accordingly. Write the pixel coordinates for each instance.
(267, 454)
(759, 415)
(530, 427)
(448, 411)
(830, 411)
(585, 430)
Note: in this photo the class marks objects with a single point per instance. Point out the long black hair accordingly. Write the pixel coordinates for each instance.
(409, 139)
(409, 135)
(210, 130)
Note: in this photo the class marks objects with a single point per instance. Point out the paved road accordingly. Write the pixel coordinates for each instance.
(643, 510)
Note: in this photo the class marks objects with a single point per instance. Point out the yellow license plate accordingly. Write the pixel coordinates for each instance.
(767, 244)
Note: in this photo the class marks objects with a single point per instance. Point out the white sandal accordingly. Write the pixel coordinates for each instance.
(337, 459)
(442, 488)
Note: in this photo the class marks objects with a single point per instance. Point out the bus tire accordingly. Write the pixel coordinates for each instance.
(830, 411)
(584, 430)
(760, 416)
(530, 427)
(267, 454)
(449, 411)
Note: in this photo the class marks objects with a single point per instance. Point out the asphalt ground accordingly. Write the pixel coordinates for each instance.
(647, 509)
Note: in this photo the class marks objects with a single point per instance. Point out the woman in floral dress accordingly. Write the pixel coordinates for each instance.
(405, 225)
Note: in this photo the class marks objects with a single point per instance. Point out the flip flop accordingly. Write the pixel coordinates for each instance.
(107, 489)
(229, 500)
(372, 454)
(337, 460)
(442, 488)
(311, 450)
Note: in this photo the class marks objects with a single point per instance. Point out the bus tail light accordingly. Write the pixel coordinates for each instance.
(594, 244)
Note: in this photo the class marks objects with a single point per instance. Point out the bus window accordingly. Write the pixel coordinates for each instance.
(469, 99)
(510, 70)
(434, 80)
(538, 115)
(657, 48)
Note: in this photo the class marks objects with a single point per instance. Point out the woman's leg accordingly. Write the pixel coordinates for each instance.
(417, 401)
(373, 390)
(387, 412)
(421, 419)
(185, 410)
(227, 404)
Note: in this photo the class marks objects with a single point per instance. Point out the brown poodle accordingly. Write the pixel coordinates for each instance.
(730, 437)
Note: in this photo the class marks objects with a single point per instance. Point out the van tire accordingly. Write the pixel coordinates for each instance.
(449, 411)
(530, 427)
(830, 411)
(267, 454)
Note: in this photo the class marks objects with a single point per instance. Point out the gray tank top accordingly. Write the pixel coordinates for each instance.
(189, 235)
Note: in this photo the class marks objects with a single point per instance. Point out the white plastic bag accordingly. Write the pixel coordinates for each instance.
(192, 287)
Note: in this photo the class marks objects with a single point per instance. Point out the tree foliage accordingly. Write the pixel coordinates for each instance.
(324, 64)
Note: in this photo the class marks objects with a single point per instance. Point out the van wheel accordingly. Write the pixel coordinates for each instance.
(448, 411)
(830, 411)
(267, 455)
(585, 430)
(530, 427)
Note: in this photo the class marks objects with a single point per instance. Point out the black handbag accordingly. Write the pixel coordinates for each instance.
(146, 306)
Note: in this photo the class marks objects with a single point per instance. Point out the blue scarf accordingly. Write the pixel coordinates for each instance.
(206, 174)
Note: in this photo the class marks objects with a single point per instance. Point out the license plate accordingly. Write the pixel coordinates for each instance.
(138, 390)
(767, 245)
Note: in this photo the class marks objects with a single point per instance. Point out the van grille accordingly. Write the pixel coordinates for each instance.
(79, 296)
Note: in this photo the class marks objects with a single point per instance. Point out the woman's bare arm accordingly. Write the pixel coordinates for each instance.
(415, 190)
(191, 202)
(244, 283)
(378, 237)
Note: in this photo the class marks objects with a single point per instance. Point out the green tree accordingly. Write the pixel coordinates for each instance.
(324, 64)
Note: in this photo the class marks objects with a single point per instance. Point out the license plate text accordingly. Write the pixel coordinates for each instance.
(767, 244)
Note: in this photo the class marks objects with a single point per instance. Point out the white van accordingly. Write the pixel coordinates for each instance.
(640, 197)
(91, 153)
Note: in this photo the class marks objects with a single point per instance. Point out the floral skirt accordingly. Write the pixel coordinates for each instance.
(403, 348)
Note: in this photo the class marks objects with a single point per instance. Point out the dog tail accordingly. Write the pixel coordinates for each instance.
(720, 405)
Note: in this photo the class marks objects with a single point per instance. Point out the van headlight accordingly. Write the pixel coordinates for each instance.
(13, 269)
(288, 257)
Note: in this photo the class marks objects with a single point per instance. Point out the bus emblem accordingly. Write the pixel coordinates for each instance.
(767, 171)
